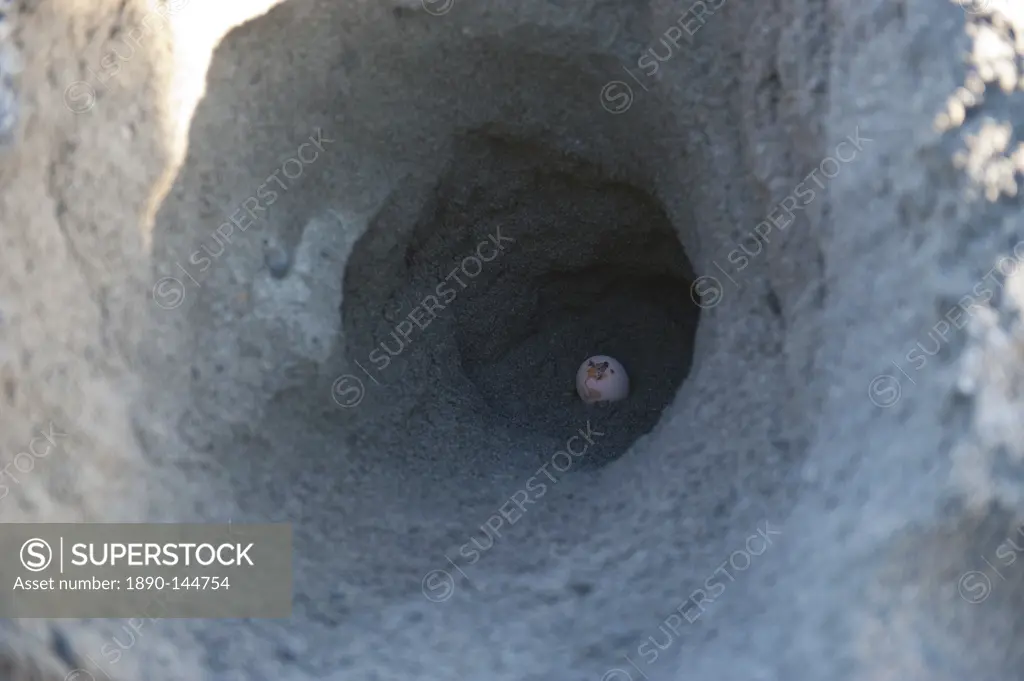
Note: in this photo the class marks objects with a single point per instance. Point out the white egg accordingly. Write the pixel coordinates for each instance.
(602, 379)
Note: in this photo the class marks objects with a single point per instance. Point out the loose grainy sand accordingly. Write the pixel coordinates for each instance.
(195, 285)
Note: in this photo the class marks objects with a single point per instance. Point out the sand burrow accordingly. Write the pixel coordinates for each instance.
(526, 263)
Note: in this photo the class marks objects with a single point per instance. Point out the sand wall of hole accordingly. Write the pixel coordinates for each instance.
(192, 331)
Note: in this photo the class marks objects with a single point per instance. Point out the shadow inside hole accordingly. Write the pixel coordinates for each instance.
(543, 262)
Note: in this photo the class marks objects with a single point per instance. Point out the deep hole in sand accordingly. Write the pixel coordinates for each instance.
(537, 262)
(597, 222)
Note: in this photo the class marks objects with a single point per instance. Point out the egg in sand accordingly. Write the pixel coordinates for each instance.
(602, 379)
